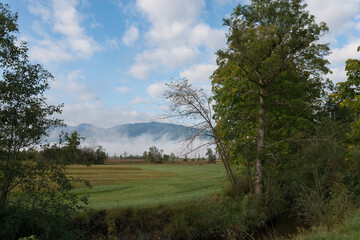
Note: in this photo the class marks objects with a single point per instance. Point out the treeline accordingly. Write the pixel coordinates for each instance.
(156, 155)
(69, 150)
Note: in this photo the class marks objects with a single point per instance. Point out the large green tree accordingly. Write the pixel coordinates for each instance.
(25, 116)
(269, 81)
(347, 95)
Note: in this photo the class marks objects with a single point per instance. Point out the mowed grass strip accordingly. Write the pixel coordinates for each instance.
(148, 185)
(99, 175)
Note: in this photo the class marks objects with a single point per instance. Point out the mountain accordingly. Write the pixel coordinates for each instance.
(153, 130)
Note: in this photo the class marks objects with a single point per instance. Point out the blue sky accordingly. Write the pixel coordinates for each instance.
(111, 58)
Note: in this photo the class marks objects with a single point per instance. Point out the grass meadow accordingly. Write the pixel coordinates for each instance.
(115, 185)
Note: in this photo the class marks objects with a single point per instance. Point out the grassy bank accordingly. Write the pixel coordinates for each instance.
(217, 218)
(148, 184)
(349, 229)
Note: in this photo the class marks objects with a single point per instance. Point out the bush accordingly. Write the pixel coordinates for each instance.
(91, 156)
(18, 221)
(202, 219)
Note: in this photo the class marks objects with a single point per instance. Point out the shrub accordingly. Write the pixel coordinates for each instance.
(201, 219)
(18, 221)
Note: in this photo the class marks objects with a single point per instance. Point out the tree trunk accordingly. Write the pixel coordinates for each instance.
(259, 174)
(3, 198)
(4, 188)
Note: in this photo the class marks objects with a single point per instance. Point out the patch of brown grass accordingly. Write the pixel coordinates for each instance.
(99, 175)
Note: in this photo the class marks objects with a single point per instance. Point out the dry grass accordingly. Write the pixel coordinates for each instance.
(99, 175)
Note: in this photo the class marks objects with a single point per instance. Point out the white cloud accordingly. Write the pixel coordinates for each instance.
(199, 73)
(140, 70)
(164, 12)
(156, 90)
(203, 35)
(86, 97)
(37, 8)
(46, 51)
(340, 55)
(174, 35)
(73, 86)
(122, 89)
(112, 44)
(222, 2)
(338, 58)
(139, 99)
(67, 22)
(337, 14)
(170, 57)
(171, 33)
(101, 116)
(64, 19)
(338, 74)
(130, 36)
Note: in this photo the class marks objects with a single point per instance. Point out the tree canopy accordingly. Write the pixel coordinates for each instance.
(269, 81)
(25, 117)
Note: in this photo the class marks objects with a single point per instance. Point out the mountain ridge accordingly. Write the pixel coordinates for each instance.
(154, 130)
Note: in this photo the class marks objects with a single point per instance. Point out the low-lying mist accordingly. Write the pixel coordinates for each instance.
(137, 146)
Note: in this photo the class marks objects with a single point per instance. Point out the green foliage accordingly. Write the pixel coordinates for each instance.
(268, 84)
(35, 195)
(91, 156)
(210, 155)
(202, 219)
(155, 155)
(24, 113)
(347, 97)
(349, 229)
(71, 150)
(19, 221)
(325, 207)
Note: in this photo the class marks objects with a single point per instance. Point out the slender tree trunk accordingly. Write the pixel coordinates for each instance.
(4, 189)
(226, 161)
(3, 198)
(224, 157)
(259, 174)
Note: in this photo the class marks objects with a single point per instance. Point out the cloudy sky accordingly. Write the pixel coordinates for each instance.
(111, 58)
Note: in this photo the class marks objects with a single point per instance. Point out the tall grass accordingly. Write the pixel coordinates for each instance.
(349, 229)
(210, 218)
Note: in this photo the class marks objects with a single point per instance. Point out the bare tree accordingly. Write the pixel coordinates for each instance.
(193, 106)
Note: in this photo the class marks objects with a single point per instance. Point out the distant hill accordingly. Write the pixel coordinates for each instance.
(153, 130)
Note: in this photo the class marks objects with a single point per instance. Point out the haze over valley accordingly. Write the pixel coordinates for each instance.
(133, 138)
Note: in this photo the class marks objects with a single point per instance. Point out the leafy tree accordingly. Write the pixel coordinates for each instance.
(268, 82)
(348, 96)
(172, 157)
(166, 157)
(155, 155)
(211, 156)
(92, 156)
(24, 113)
(144, 156)
(71, 151)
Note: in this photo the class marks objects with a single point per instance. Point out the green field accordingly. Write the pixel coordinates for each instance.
(147, 185)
